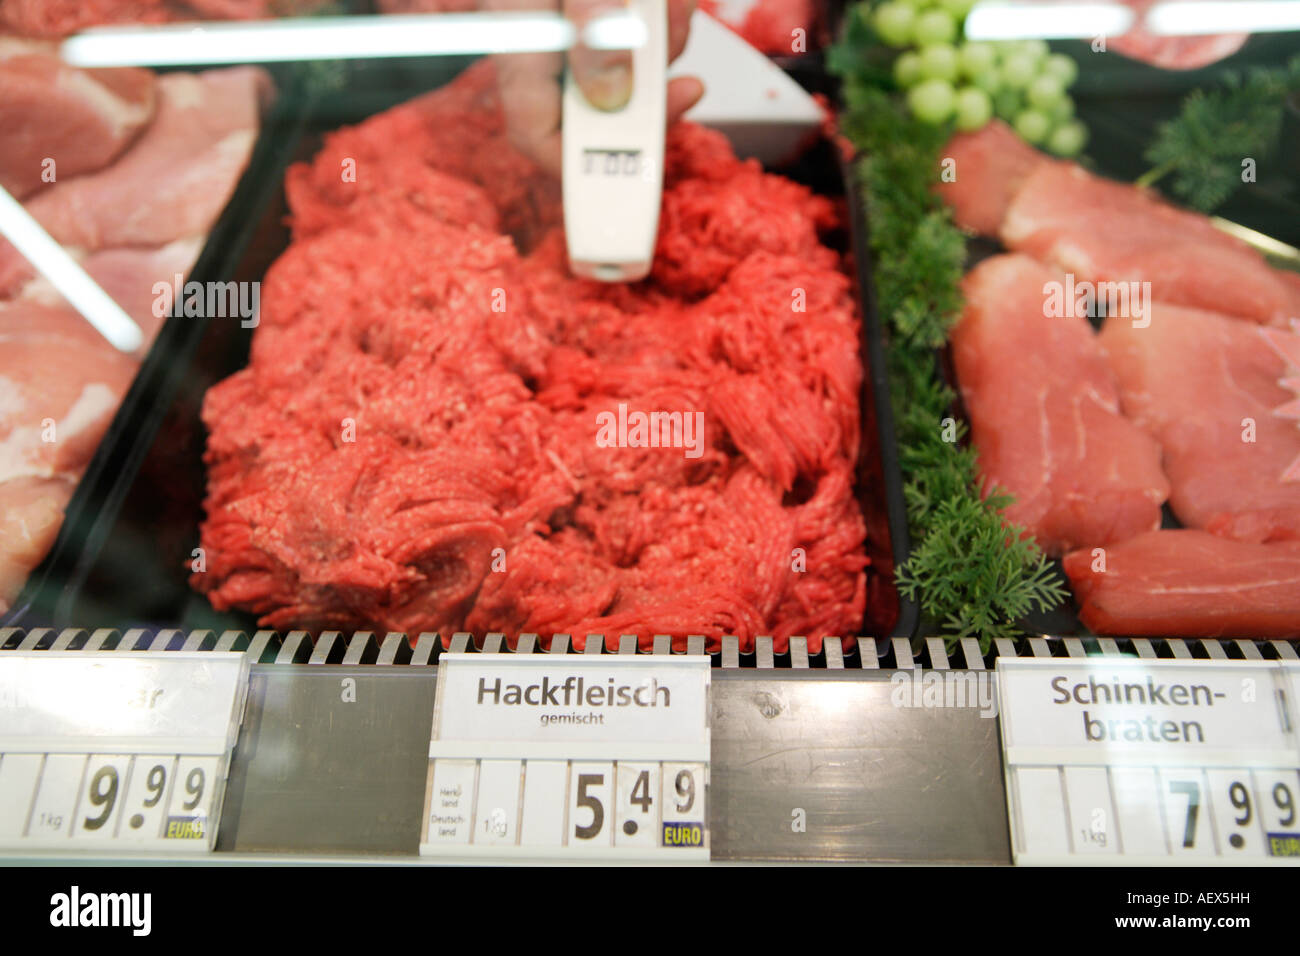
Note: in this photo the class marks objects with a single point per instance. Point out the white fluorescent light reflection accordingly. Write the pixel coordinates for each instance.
(1047, 21)
(1265, 244)
(63, 272)
(326, 38)
(1237, 16)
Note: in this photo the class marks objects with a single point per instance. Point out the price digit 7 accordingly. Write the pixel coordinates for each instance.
(1193, 792)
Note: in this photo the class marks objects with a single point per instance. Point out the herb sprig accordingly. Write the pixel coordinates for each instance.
(972, 574)
(1204, 146)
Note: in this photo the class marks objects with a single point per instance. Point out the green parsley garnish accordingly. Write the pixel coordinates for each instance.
(1216, 130)
(971, 573)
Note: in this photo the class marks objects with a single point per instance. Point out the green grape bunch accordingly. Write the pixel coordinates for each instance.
(947, 79)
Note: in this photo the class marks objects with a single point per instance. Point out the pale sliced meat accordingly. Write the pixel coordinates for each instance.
(60, 384)
(54, 18)
(1187, 583)
(130, 276)
(988, 168)
(1208, 387)
(1173, 52)
(1044, 414)
(426, 6)
(172, 183)
(1104, 231)
(1178, 53)
(31, 513)
(57, 121)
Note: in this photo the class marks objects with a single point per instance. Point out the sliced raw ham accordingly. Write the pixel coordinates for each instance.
(989, 166)
(171, 184)
(1044, 413)
(1208, 387)
(1187, 583)
(1104, 231)
(49, 111)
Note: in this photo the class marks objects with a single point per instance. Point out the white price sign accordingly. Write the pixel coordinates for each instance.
(104, 751)
(539, 756)
(1122, 760)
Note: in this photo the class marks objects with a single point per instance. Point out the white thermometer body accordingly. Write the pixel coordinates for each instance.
(613, 164)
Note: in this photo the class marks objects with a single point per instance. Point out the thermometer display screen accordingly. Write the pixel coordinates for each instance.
(611, 162)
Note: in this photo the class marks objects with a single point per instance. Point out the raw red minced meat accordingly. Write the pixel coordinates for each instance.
(413, 444)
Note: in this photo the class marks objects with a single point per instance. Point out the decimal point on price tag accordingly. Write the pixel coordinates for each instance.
(630, 828)
(137, 821)
(1237, 841)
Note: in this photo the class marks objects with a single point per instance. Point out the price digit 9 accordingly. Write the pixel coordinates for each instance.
(1240, 798)
(103, 793)
(685, 787)
(1285, 802)
(194, 781)
(154, 784)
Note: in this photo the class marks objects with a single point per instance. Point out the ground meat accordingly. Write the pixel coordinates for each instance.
(414, 444)
(774, 27)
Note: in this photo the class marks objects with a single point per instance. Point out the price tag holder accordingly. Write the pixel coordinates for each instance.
(118, 752)
(540, 757)
(1127, 761)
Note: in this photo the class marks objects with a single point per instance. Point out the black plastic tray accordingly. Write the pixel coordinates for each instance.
(124, 560)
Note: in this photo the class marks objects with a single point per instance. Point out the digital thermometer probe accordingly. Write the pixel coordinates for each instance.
(613, 163)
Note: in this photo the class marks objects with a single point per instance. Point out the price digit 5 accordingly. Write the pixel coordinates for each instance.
(586, 799)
